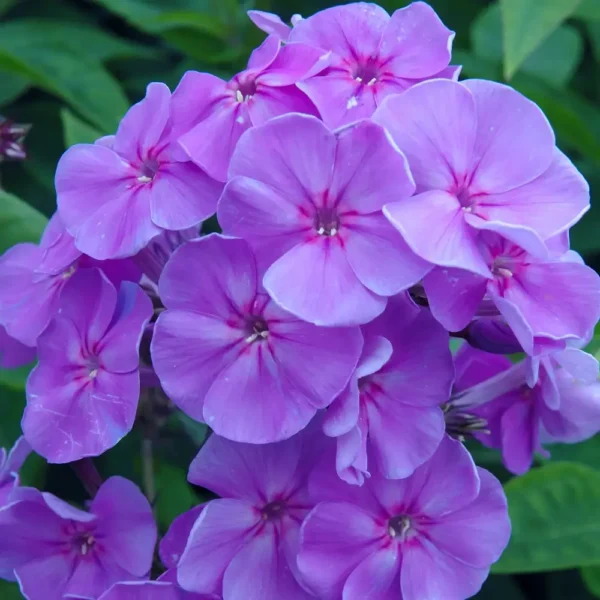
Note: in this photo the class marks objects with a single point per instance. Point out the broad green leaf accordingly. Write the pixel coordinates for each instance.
(584, 235)
(591, 578)
(586, 453)
(588, 10)
(575, 120)
(82, 83)
(203, 22)
(555, 519)
(11, 87)
(594, 35)
(73, 37)
(12, 404)
(18, 221)
(554, 61)
(500, 587)
(527, 23)
(15, 378)
(174, 495)
(10, 591)
(76, 131)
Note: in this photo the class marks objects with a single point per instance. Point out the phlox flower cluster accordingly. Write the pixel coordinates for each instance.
(372, 207)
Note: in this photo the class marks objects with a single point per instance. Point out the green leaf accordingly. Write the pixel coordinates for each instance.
(15, 378)
(588, 10)
(586, 453)
(18, 221)
(76, 131)
(554, 61)
(99, 45)
(10, 591)
(591, 578)
(593, 29)
(174, 495)
(11, 87)
(575, 120)
(12, 404)
(527, 23)
(500, 587)
(82, 83)
(555, 519)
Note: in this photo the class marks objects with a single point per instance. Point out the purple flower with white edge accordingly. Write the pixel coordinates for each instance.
(227, 355)
(13, 353)
(541, 297)
(32, 278)
(114, 196)
(311, 208)
(372, 55)
(82, 396)
(272, 24)
(243, 546)
(390, 412)
(216, 113)
(55, 550)
(483, 157)
(551, 399)
(9, 468)
(432, 535)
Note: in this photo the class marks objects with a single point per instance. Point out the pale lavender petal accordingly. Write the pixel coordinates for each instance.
(270, 23)
(335, 538)
(342, 415)
(520, 436)
(260, 572)
(220, 532)
(210, 144)
(351, 460)
(315, 282)
(551, 203)
(142, 127)
(265, 54)
(13, 353)
(427, 572)
(433, 225)
(514, 143)
(293, 63)
(188, 350)
(126, 525)
(376, 578)
(582, 366)
(253, 401)
(416, 43)
(377, 351)
(142, 590)
(273, 101)
(434, 124)
(175, 540)
(454, 295)
(53, 570)
(182, 196)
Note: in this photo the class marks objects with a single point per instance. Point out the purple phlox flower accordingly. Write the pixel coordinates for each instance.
(311, 209)
(151, 590)
(227, 355)
(372, 55)
(57, 551)
(243, 546)
(12, 139)
(9, 468)
(390, 411)
(483, 157)
(215, 113)
(82, 396)
(32, 278)
(117, 194)
(272, 24)
(13, 353)
(432, 535)
(555, 398)
(545, 301)
(153, 258)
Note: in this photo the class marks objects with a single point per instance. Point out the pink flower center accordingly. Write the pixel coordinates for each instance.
(464, 197)
(148, 170)
(246, 88)
(367, 72)
(92, 366)
(401, 527)
(257, 329)
(327, 222)
(273, 511)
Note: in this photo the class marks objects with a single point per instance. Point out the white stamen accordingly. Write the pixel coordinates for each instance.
(239, 96)
(359, 79)
(321, 230)
(240, 120)
(144, 179)
(373, 81)
(333, 231)
(504, 272)
(352, 102)
(93, 373)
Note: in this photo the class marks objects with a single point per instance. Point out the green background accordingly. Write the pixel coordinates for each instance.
(71, 68)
